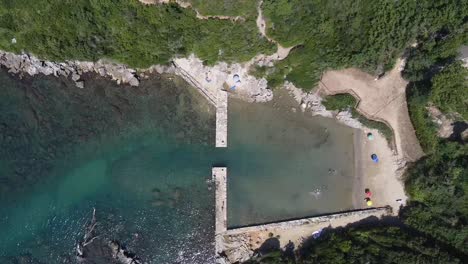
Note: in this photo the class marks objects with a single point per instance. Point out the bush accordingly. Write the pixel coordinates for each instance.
(450, 90)
(126, 31)
(367, 34)
(342, 102)
(438, 186)
(244, 8)
(339, 102)
(425, 129)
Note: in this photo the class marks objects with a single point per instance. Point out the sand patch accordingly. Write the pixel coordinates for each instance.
(383, 100)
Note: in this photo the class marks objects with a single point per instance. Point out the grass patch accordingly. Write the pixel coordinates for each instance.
(339, 102)
(380, 126)
(343, 102)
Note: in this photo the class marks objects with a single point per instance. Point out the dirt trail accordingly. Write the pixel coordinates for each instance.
(382, 100)
(189, 5)
(282, 52)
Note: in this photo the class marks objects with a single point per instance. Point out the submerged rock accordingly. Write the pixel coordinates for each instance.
(79, 84)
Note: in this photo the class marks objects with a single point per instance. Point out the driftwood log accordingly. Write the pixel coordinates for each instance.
(95, 249)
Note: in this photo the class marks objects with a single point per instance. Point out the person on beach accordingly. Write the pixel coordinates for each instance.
(368, 193)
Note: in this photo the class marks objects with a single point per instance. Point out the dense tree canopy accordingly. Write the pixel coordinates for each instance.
(244, 8)
(125, 31)
(367, 34)
(450, 90)
(434, 223)
(326, 34)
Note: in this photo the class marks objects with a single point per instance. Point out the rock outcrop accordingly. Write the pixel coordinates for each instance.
(29, 64)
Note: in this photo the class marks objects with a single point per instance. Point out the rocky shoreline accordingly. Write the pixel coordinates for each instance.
(29, 64)
(255, 90)
(313, 102)
(26, 63)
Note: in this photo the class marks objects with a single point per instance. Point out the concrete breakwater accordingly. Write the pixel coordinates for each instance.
(239, 244)
(310, 220)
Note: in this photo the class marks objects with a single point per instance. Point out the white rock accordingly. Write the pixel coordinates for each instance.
(80, 84)
(75, 76)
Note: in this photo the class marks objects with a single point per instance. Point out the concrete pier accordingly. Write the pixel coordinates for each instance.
(221, 119)
(213, 92)
(219, 175)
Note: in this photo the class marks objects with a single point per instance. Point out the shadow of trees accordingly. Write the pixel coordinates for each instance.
(386, 240)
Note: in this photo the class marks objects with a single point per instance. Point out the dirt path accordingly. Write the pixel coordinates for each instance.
(382, 100)
(189, 5)
(282, 52)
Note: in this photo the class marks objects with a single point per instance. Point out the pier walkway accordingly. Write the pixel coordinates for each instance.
(221, 119)
(219, 175)
(214, 93)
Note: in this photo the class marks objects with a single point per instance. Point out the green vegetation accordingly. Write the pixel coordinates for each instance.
(433, 61)
(426, 130)
(269, 73)
(383, 128)
(450, 90)
(125, 31)
(371, 244)
(369, 34)
(328, 34)
(433, 52)
(377, 245)
(432, 227)
(342, 102)
(438, 186)
(244, 8)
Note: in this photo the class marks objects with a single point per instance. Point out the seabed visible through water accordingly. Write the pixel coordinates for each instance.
(143, 156)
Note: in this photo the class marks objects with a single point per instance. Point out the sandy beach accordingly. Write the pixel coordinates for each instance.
(383, 179)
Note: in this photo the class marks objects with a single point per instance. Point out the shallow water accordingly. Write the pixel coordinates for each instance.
(142, 158)
(285, 164)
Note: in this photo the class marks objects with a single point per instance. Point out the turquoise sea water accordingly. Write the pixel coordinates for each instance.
(136, 155)
(142, 158)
